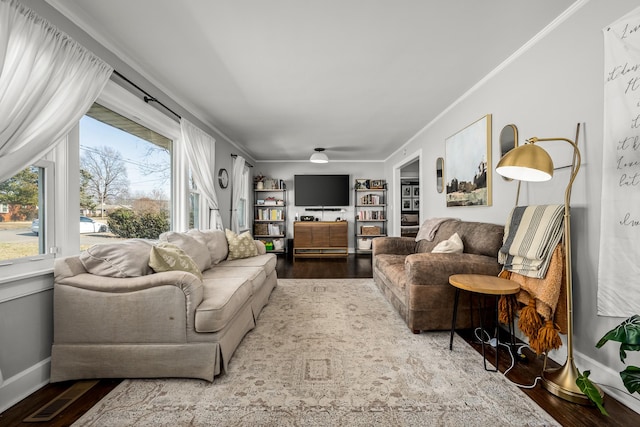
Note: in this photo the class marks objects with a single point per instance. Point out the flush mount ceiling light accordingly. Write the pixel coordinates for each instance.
(319, 156)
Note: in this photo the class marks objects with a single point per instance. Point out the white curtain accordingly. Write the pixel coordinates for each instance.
(47, 83)
(238, 189)
(200, 148)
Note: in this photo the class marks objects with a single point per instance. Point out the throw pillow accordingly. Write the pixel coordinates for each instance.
(192, 244)
(453, 245)
(168, 257)
(129, 258)
(240, 246)
(217, 243)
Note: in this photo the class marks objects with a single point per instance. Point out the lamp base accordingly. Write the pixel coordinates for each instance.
(561, 382)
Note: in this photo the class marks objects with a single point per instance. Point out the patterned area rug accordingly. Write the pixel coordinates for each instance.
(330, 353)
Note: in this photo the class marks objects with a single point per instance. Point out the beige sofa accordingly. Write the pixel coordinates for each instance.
(114, 317)
(416, 281)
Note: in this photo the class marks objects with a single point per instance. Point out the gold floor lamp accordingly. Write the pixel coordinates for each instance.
(530, 162)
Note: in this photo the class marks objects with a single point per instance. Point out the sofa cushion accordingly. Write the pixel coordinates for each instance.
(129, 258)
(166, 256)
(216, 241)
(267, 262)
(254, 275)
(479, 238)
(392, 267)
(240, 246)
(222, 299)
(453, 245)
(192, 244)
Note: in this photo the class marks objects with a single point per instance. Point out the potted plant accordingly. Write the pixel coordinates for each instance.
(627, 334)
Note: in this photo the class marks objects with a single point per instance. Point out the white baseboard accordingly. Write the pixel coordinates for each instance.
(603, 375)
(21, 385)
(608, 379)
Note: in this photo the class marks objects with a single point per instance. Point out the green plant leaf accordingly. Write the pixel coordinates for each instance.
(631, 378)
(589, 389)
(627, 333)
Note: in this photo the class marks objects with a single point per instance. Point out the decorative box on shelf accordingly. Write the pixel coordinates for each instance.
(370, 230)
(260, 229)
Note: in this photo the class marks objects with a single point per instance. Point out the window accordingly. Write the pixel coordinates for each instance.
(125, 178)
(194, 204)
(25, 221)
(243, 211)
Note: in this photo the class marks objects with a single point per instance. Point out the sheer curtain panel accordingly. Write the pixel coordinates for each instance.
(238, 189)
(200, 149)
(47, 82)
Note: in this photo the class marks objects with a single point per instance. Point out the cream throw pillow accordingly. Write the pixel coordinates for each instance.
(168, 257)
(240, 246)
(453, 245)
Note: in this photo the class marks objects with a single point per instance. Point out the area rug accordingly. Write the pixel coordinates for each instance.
(330, 353)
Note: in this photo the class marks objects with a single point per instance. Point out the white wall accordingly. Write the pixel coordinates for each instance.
(545, 92)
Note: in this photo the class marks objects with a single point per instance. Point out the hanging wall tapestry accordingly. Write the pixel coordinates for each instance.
(618, 285)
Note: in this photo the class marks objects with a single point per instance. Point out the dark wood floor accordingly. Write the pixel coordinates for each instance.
(524, 372)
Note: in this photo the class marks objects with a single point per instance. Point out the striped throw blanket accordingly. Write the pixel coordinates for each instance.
(530, 236)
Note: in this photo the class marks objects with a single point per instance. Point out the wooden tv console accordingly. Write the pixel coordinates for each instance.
(312, 239)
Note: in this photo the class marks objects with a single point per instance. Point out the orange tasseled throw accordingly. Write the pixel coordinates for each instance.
(530, 321)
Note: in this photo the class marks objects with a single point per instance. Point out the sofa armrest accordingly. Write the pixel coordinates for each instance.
(187, 282)
(394, 245)
(435, 268)
(157, 308)
(262, 249)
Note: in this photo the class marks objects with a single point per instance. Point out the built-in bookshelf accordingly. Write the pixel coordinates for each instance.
(269, 215)
(370, 213)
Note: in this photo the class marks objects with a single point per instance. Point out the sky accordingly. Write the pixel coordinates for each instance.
(94, 134)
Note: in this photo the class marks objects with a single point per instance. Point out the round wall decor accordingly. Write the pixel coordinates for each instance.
(223, 178)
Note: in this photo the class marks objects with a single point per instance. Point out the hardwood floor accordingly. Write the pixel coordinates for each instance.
(524, 372)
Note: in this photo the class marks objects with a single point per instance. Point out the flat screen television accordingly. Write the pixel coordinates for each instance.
(321, 190)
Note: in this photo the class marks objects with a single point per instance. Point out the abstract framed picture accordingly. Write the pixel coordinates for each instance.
(468, 165)
(406, 204)
(406, 191)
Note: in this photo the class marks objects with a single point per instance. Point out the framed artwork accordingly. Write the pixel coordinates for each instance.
(468, 165)
(406, 191)
(377, 184)
(362, 184)
(415, 191)
(416, 204)
(407, 204)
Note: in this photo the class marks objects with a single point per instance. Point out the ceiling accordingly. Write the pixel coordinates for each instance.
(281, 77)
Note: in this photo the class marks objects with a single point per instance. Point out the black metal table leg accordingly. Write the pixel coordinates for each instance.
(455, 314)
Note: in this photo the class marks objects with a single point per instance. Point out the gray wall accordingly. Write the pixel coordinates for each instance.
(545, 92)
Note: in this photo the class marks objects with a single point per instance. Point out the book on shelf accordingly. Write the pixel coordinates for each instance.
(270, 215)
(369, 215)
(371, 199)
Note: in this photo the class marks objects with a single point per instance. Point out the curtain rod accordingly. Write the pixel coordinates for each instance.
(245, 162)
(148, 97)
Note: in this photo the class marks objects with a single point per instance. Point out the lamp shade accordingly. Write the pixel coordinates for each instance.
(319, 156)
(526, 163)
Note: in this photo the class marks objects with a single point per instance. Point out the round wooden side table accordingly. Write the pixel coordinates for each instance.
(484, 285)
